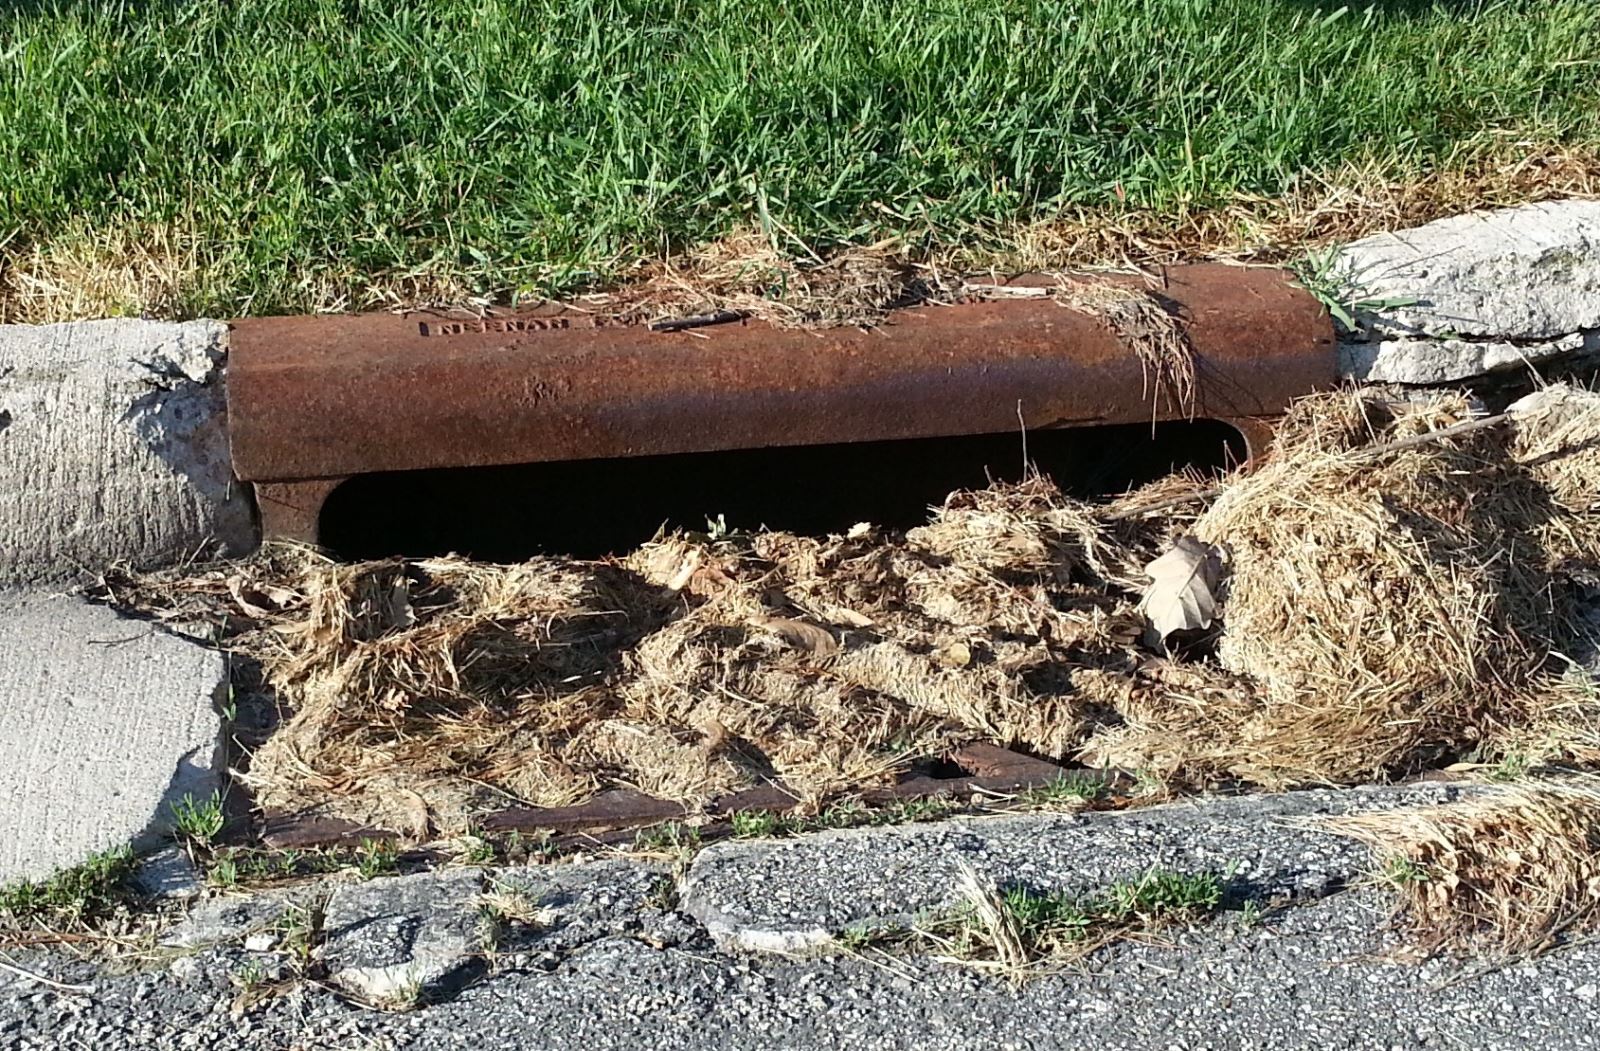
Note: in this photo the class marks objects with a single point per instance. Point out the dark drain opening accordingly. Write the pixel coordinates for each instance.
(592, 508)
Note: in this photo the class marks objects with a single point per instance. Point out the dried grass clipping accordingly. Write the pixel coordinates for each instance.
(1383, 610)
(1509, 872)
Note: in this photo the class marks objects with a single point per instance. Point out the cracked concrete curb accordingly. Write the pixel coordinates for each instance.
(1480, 293)
(105, 722)
(795, 896)
(114, 446)
(400, 939)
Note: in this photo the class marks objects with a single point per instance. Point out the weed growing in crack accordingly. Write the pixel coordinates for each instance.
(755, 824)
(299, 929)
(509, 904)
(672, 837)
(1402, 872)
(1018, 931)
(246, 866)
(846, 813)
(408, 996)
(224, 872)
(1512, 767)
(859, 939)
(198, 822)
(1337, 285)
(376, 857)
(475, 849)
(69, 898)
(663, 894)
(250, 976)
(1072, 787)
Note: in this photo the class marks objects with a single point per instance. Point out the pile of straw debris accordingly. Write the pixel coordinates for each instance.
(1390, 602)
(1508, 872)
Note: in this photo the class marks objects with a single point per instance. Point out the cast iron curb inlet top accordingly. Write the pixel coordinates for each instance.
(315, 400)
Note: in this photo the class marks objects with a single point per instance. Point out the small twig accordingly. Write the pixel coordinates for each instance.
(1022, 426)
(678, 324)
(32, 976)
(1372, 451)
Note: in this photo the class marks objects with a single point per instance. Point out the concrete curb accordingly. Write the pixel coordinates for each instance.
(114, 446)
(105, 723)
(1475, 294)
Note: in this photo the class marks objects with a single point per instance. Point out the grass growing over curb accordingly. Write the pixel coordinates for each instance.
(72, 896)
(1017, 931)
(257, 156)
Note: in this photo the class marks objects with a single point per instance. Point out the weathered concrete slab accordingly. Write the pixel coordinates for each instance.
(1476, 293)
(113, 445)
(1527, 273)
(1431, 362)
(402, 939)
(228, 919)
(796, 895)
(104, 722)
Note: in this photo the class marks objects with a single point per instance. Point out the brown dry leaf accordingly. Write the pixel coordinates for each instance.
(804, 636)
(1182, 594)
(259, 600)
(417, 821)
(716, 736)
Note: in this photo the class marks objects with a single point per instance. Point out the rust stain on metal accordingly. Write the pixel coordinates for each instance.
(313, 400)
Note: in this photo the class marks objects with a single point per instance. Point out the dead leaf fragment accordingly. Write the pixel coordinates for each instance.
(804, 636)
(259, 600)
(417, 819)
(850, 617)
(1182, 594)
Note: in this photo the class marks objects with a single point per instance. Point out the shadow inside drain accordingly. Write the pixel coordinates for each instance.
(594, 508)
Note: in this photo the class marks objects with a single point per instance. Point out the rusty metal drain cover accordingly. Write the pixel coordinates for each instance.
(315, 400)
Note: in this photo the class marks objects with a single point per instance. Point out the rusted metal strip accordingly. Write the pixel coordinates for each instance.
(614, 817)
(313, 400)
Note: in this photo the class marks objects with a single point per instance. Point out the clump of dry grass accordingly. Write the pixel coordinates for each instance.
(745, 274)
(1509, 872)
(1386, 608)
(1143, 322)
(693, 668)
(125, 270)
(1557, 439)
(1383, 609)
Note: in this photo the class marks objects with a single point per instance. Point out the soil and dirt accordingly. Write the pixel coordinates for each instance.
(1383, 611)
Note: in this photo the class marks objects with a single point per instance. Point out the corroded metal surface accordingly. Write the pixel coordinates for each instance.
(984, 772)
(316, 399)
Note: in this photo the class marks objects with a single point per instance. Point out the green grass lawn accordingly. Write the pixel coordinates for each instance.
(305, 152)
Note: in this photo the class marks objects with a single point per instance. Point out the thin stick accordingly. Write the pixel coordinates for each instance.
(1022, 425)
(717, 317)
(1453, 431)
